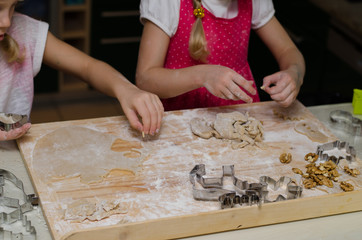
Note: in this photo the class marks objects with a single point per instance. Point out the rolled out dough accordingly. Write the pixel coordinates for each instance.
(79, 151)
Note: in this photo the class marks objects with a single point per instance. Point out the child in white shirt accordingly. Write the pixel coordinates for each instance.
(25, 43)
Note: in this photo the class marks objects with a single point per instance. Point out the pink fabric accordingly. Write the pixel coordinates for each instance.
(228, 41)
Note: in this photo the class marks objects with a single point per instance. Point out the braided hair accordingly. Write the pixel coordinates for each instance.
(197, 43)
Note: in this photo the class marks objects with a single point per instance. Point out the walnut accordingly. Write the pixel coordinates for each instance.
(311, 157)
(329, 165)
(352, 172)
(285, 158)
(309, 183)
(347, 187)
(322, 174)
(334, 173)
(327, 182)
(297, 171)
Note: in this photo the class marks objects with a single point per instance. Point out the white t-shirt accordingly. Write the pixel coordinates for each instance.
(165, 13)
(17, 79)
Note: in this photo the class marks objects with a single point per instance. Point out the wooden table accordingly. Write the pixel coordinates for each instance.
(169, 211)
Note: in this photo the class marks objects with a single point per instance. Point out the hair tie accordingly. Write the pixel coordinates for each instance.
(199, 12)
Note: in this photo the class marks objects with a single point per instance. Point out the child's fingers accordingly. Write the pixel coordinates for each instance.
(133, 120)
(3, 135)
(245, 84)
(238, 94)
(155, 111)
(15, 133)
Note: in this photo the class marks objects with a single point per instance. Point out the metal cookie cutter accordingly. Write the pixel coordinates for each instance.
(9, 121)
(346, 122)
(213, 187)
(20, 209)
(246, 193)
(350, 151)
(292, 190)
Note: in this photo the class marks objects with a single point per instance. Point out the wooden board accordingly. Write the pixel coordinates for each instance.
(159, 198)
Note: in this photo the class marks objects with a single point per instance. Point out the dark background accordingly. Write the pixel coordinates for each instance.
(328, 78)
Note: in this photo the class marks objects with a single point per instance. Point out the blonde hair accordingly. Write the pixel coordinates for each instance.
(11, 49)
(197, 43)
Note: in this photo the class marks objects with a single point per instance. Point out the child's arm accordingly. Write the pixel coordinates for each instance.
(151, 75)
(282, 86)
(135, 102)
(15, 133)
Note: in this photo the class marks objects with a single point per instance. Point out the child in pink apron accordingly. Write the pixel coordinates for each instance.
(215, 70)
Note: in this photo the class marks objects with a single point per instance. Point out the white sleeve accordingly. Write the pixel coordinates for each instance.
(164, 13)
(40, 46)
(263, 11)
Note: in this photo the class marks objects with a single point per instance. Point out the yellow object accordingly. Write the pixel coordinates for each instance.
(199, 12)
(357, 101)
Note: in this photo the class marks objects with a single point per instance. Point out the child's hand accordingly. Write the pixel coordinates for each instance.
(283, 87)
(147, 105)
(15, 133)
(225, 83)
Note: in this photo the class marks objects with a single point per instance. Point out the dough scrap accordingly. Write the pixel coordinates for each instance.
(89, 209)
(202, 129)
(310, 130)
(78, 151)
(240, 128)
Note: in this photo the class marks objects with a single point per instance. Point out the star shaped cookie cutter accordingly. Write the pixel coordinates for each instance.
(13, 203)
(244, 193)
(349, 156)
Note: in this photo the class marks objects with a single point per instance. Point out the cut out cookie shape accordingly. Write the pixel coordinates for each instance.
(79, 151)
(310, 130)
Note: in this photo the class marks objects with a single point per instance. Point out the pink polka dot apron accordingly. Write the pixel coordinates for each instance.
(228, 41)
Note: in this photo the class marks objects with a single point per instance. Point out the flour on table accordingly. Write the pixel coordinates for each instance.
(79, 151)
(240, 128)
(311, 130)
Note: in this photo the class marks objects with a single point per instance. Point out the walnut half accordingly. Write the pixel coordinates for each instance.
(311, 157)
(352, 172)
(347, 187)
(285, 158)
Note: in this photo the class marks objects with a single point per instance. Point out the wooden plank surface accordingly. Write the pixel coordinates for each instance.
(158, 199)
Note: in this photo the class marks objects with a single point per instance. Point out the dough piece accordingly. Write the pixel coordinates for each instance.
(235, 126)
(224, 124)
(84, 209)
(79, 151)
(311, 131)
(202, 129)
